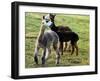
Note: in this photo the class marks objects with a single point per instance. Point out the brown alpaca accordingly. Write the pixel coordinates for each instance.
(65, 34)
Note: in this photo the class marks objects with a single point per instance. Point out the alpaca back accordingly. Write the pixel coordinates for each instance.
(49, 37)
(68, 36)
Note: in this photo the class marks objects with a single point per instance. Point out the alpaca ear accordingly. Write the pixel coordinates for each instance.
(50, 14)
(54, 15)
(43, 17)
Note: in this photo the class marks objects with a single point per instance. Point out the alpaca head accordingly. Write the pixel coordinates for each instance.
(50, 17)
(46, 21)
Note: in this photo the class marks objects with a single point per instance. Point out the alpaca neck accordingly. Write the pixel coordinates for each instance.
(53, 27)
(41, 33)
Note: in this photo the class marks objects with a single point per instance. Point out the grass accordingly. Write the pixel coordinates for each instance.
(78, 23)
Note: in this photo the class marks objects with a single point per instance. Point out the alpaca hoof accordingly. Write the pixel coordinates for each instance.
(64, 50)
(57, 63)
(36, 60)
(43, 65)
(76, 54)
(71, 53)
(36, 63)
(68, 50)
(61, 53)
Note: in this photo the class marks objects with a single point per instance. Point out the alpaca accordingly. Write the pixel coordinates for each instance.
(60, 29)
(65, 34)
(69, 36)
(44, 40)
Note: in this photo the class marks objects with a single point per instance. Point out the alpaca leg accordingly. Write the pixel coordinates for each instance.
(56, 48)
(36, 55)
(72, 49)
(45, 55)
(57, 56)
(48, 51)
(65, 46)
(61, 47)
(76, 46)
(69, 46)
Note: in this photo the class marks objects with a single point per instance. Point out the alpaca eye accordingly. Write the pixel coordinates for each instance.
(47, 21)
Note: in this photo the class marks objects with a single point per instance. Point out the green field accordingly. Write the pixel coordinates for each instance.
(78, 23)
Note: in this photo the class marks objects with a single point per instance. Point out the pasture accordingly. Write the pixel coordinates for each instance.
(78, 23)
